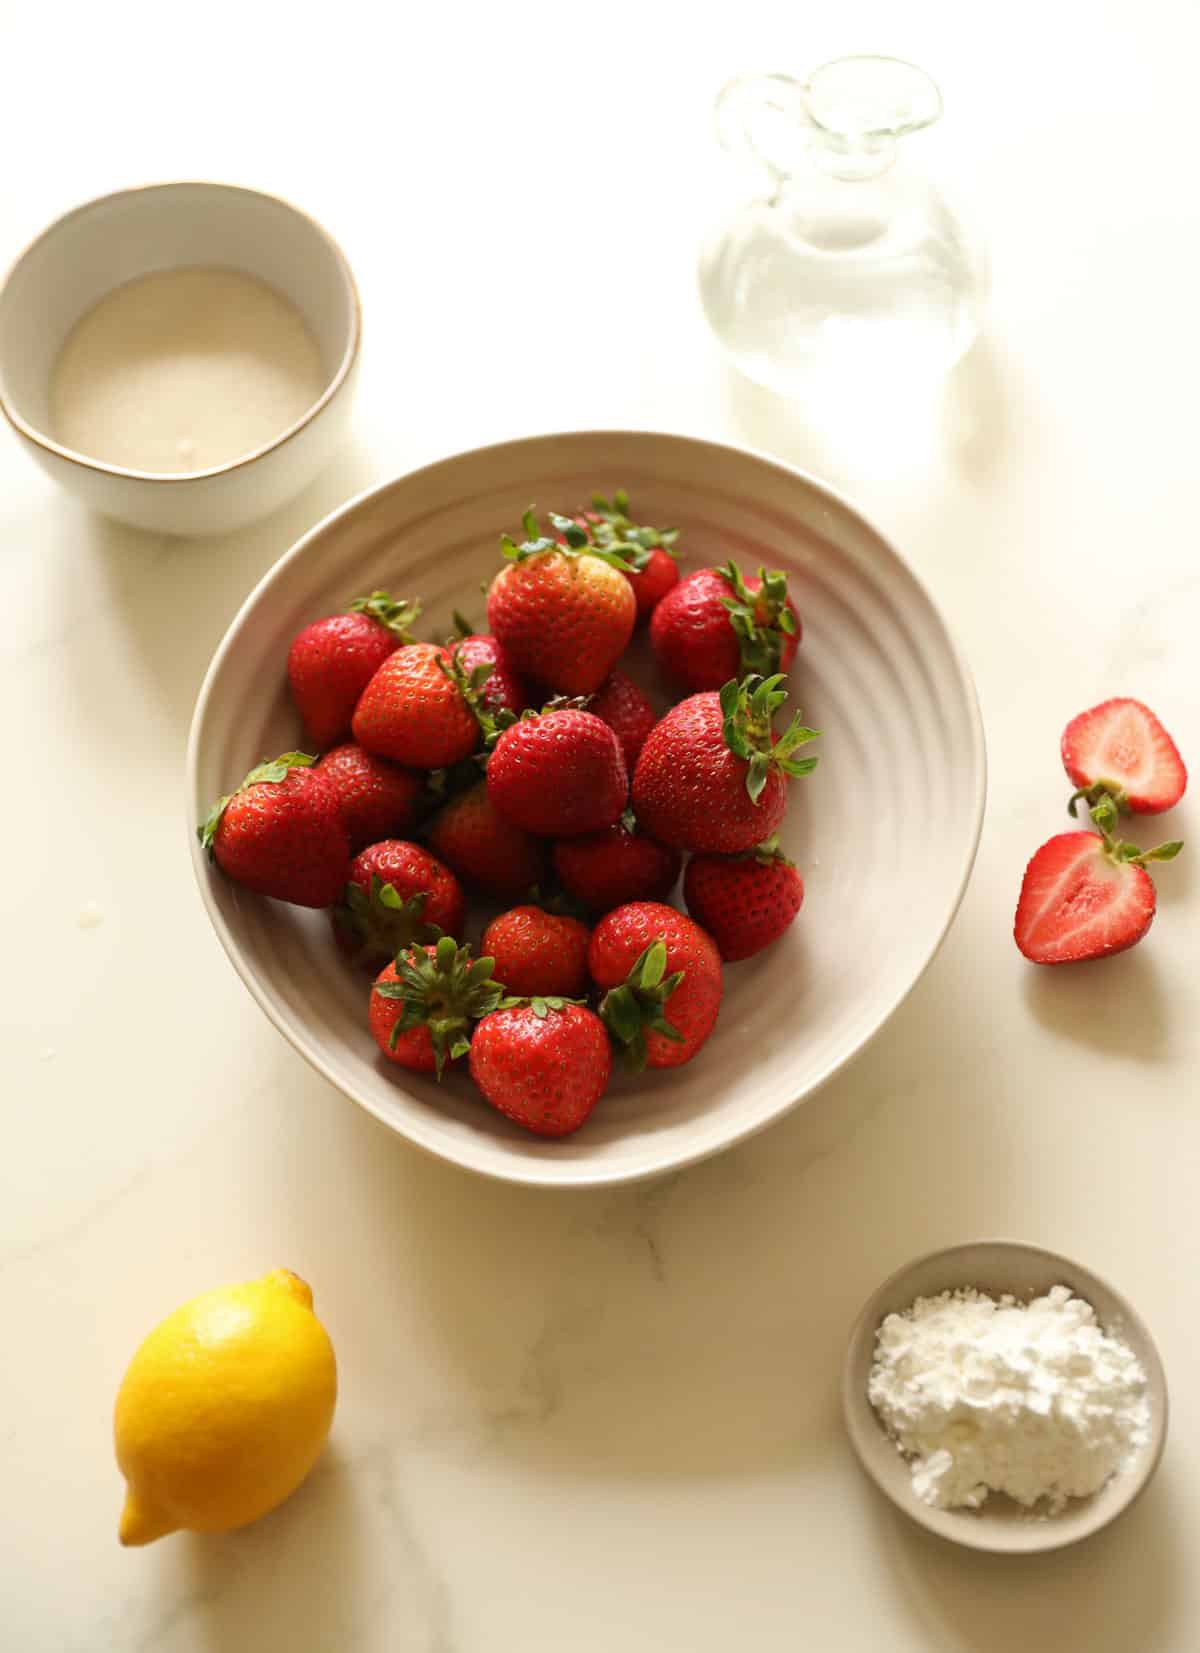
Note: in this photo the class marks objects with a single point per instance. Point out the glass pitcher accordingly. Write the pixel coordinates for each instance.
(848, 270)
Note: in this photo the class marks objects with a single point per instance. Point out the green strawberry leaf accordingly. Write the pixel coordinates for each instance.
(747, 710)
(447, 993)
(397, 617)
(638, 1003)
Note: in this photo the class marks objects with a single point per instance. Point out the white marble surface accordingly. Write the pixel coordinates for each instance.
(596, 1422)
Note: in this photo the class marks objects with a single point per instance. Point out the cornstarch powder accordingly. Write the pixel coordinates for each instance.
(184, 370)
(987, 1395)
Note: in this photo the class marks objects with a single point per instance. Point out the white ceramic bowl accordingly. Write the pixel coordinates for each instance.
(999, 1267)
(110, 241)
(884, 831)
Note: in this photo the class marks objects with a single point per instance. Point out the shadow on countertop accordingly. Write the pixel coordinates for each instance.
(1117, 1006)
(1117, 1592)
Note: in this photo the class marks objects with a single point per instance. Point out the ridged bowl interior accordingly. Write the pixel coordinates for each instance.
(884, 832)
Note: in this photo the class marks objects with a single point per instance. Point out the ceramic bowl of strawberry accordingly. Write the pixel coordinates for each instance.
(876, 671)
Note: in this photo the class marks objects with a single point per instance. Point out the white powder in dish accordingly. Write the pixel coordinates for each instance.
(184, 370)
(988, 1395)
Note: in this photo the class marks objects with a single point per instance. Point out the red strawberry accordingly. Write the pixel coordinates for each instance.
(712, 774)
(563, 614)
(331, 661)
(715, 625)
(650, 550)
(538, 953)
(745, 902)
(663, 975)
(502, 690)
(544, 1065)
(627, 711)
(423, 1007)
(1086, 894)
(397, 894)
(281, 833)
(606, 869)
(414, 712)
(473, 838)
(1121, 748)
(558, 774)
(377, 799)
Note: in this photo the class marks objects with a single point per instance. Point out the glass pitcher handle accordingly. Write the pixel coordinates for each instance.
(847, 116)
(763, 119)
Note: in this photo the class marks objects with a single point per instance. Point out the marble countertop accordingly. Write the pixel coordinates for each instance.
(598, 1421)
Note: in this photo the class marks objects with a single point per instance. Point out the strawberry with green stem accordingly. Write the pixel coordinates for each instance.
(713, 774)
(501, 689)
(746, 901)
(281, 833)
(558, 773)
(563, 612)
(650, 551)
(1087, 895)
(332, 660)
(661, 976)
(543, 1064)
(425, 1005)
(397, 895)
(717, 624)
(415, 712)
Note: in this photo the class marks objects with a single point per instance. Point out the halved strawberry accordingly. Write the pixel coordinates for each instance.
(1086, 895)
(1120, 748)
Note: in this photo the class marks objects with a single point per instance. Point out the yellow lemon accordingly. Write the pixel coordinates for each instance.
(224, 1409)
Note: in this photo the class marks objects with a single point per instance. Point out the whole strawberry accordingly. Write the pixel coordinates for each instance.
(414, 712)
(544, 1065)
(377, 799)
(627, 711)
(483, 848)
(281, 833)
(745, 902)
(663, 975)
(558, 773)
(716, 625)
(713, 775)
(603, 870)
(397, 894)
(501, 689)
(650, 551)
(563, 614)
(538, 953)
(332, 660)
(1086, 895)
(424, 1006)
(1120, 748)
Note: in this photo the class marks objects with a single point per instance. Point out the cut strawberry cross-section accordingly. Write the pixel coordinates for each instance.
(1120, 748)
(1086, 895)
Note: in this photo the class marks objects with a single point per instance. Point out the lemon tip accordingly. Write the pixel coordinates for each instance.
(139, 1524)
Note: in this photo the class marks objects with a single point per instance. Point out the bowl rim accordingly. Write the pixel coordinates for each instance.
(975, 1535)
(337, 380)
(539, 1173)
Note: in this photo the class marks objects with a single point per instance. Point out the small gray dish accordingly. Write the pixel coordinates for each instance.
(1025, 1272)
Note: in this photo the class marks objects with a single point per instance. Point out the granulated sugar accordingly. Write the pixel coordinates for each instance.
(184, 370)
(988, 1395)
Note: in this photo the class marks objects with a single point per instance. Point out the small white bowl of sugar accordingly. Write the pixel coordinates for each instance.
(181, 356)
(1004, 1397)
